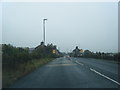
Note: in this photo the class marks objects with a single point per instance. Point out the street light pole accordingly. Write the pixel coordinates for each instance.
(44, 30)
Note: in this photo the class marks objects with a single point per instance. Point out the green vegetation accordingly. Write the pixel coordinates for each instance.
(102, 55)
(18, 61)
(10, 76)
(98, 55)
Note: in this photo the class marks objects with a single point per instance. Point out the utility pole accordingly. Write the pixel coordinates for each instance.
(44, 31)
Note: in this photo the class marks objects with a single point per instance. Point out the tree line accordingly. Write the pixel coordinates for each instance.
(98, 55)
(102, 55)
(13, 56)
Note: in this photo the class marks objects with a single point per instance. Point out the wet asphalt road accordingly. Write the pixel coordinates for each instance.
(69, 72)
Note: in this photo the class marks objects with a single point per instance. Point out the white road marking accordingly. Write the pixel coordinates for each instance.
(70, 59)
(104, 76)
(51, 65)
(79, 63)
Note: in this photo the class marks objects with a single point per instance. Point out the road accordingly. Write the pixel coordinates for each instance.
(69, 72)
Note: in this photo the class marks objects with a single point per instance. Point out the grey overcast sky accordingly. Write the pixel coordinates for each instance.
(89, 25)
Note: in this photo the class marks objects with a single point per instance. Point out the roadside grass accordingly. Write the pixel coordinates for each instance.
(9, 76)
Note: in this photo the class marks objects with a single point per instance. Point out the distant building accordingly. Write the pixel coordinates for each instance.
(31, 50)
(42, 44)
(77, 52)
(81, 52)
(110, 54)
(87, 53)
(55, 51)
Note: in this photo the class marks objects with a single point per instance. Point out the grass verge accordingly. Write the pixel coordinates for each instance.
(9, 76)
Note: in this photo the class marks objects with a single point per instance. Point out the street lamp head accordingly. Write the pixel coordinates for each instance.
(44, 19)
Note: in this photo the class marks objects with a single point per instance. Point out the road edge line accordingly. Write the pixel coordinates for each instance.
(104, 76)
(79, 63)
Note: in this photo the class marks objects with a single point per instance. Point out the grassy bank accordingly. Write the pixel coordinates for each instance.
(10, 76)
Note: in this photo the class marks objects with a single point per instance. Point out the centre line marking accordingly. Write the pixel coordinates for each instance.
(79, 63)
(104, 76)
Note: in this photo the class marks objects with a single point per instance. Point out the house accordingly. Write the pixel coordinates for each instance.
(31, 50)
(77, 52)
